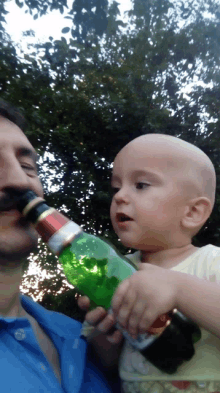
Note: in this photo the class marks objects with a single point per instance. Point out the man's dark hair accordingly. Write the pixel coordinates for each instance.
(13, 114)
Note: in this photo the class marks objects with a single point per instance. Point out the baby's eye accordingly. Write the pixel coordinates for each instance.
(141, 185)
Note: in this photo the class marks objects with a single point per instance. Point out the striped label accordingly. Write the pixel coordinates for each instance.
(47, 226)
(64, 236)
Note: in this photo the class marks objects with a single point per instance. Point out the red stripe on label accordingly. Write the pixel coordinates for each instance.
(159, 325)
(50, 225)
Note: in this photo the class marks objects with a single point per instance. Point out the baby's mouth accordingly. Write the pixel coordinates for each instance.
(121, 217)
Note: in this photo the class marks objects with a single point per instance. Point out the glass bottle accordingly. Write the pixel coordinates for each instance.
(96, 269)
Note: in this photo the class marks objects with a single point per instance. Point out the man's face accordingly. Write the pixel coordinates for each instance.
(18, 171)
(145, 191)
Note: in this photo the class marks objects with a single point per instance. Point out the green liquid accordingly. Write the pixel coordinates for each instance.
(89, 274)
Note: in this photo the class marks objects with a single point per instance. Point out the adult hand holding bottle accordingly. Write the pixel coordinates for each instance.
(107, 345)
(101, 320)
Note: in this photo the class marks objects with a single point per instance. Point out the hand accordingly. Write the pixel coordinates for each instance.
(143, 297)
(101, 320)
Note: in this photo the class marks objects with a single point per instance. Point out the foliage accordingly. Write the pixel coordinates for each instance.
(86, 15)
(86, 96)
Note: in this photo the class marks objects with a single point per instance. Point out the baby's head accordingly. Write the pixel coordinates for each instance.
(164, 191)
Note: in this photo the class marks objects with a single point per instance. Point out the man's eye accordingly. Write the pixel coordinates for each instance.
(142, 186)
(28, 167)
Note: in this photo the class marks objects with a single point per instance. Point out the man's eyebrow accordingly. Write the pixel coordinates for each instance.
(27, 152)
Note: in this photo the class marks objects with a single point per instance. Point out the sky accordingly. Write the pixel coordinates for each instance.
(48, 25)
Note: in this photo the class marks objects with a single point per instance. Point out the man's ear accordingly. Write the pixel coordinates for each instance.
(197, 213)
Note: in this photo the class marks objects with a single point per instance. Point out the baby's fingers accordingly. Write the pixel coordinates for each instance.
(119, 296)
(127, 305)
(145, 322)
(135, 317)
(152, 322)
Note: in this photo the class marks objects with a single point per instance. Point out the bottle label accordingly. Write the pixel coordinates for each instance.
(141, 342)
(144, 340)
(64, 236)
(49, 223)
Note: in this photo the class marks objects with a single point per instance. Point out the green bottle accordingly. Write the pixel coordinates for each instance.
(96, 269)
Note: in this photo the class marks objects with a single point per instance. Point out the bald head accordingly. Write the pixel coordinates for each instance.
(187, 164)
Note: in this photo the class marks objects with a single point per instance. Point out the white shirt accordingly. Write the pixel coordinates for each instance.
(205, 365)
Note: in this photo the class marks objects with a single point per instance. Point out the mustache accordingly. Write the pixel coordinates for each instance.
(10, 200)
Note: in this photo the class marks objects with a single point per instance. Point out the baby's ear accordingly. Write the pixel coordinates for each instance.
(197, 213)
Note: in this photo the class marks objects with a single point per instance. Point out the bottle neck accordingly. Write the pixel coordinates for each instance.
(35, 210)
(56, 230)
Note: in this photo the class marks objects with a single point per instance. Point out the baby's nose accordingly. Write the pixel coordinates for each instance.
(122, 196)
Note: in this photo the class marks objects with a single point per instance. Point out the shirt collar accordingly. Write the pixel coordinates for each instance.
(55, 322)
(51, 320)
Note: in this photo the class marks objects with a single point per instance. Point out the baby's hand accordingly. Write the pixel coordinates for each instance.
(101, 320)
(143, 297)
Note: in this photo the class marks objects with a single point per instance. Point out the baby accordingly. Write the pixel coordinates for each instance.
(164, 191)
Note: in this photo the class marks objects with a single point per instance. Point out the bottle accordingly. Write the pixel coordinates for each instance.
(96, 269)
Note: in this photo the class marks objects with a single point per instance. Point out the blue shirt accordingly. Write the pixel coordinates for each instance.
(25, 369)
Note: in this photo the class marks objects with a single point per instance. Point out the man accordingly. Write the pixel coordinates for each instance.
(41, 351)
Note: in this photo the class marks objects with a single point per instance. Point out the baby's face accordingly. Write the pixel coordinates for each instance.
(148, 204)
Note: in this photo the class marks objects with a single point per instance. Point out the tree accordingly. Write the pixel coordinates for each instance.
(86, 15)
(98, 90)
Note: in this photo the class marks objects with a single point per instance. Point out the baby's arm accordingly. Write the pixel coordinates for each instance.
(153, 291)
(142, 298)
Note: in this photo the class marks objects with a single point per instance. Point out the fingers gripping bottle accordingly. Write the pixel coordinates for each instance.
(96, 269)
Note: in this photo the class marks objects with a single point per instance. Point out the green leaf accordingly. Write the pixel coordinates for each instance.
(28, 58)
(19, 3)
(65, 30)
